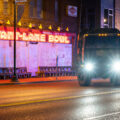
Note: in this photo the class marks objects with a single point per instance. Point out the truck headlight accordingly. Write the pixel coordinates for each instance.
(89, 66)
(116, 66)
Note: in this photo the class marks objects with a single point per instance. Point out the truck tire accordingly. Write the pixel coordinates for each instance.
(83, 80)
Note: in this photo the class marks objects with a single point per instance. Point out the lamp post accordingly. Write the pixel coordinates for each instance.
(14, 78)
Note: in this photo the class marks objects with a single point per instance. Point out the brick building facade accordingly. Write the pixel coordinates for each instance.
(97, 14)
(57, 16)
(48, 17)
(117, 14)
(45, 12)
(54, 13)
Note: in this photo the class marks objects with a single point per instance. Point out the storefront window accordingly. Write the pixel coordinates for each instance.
(36, 9)
(5, 6)
(56, 10)
(20, 11)
(40, 8)
(108, 18)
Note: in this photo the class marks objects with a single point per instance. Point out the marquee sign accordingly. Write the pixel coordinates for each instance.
(32, 35)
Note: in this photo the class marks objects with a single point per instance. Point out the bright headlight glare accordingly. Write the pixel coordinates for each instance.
(116, 66)
(89, 66)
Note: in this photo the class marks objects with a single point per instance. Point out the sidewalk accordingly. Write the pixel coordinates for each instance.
(38, 80)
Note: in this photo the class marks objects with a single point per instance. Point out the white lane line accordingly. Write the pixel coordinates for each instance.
(100, 93)
(101, 116)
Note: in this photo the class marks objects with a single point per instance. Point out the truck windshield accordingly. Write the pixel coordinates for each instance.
(102, 42)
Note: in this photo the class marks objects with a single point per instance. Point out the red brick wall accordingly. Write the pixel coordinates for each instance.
(48, 19)
(117, 14)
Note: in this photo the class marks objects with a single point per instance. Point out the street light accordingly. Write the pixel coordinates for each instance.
(15, 78)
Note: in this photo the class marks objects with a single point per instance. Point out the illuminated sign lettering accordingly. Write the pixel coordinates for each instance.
(58, 39)
(33, 36)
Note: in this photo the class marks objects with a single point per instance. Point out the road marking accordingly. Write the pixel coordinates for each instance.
(57, 99)
(101, 116)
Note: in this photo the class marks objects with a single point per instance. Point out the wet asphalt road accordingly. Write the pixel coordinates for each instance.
(59, 101)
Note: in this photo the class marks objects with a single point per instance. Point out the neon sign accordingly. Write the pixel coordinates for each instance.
(34, 36)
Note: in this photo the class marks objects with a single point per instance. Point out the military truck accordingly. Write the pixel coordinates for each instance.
(99, 52)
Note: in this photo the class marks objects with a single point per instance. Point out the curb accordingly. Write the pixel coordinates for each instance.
(35, 82)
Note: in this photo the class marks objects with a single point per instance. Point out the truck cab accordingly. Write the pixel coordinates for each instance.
(99, 56)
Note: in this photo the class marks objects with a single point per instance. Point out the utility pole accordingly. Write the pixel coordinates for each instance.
(79, 21)
(79, 16)
(80, 3)
(14, 78)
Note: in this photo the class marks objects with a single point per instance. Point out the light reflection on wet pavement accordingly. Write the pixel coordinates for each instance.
(90, 103)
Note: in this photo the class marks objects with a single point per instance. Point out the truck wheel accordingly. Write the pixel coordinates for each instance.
(83, 80)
